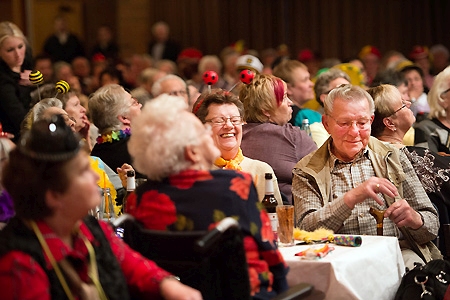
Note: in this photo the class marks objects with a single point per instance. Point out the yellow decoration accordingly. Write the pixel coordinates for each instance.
(104, 181)
(253, 228)
(310, 236)
(180, 224)
(218, 215)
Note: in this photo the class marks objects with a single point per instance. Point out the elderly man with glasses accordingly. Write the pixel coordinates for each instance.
(174, 85)
(335, 186)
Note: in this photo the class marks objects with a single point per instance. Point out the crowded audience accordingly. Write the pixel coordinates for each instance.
(379, 138)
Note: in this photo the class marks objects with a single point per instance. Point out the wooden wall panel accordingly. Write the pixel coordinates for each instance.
(337, 28)
(96, 14)
(43, 13)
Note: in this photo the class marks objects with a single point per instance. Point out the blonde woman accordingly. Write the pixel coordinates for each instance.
(15, 87)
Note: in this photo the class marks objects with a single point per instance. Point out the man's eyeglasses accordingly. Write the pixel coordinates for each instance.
(362, 123)
(220, 121)
(178, 93)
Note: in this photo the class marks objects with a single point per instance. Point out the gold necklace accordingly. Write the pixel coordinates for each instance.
(92, 267)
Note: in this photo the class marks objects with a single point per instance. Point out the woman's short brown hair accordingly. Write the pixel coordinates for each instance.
(216, 96)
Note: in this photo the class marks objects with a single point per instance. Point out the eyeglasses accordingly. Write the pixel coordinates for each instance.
(178, 93)
(135, 102)
(403, 106)
(362, 123)
(220, 121)
(444, 92)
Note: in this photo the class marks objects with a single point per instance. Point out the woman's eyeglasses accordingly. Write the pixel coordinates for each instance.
(220, 121)
(396, 111)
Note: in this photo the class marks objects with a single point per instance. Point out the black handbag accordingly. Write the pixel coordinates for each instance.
(429, 281)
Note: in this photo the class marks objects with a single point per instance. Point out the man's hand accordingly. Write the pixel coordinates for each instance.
(404, 215)
(370, 189)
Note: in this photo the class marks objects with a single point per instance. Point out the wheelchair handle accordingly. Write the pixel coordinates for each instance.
(213, 235)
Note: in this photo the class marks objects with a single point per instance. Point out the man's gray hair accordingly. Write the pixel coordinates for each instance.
(347, 92)
(106, 104)
(156, 88)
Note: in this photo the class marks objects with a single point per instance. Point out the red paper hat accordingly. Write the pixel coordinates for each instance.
(419, 52)
(190, 53)
(306, 55)
(98, 57)
(369, 49)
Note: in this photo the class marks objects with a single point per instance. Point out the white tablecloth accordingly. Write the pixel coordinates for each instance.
(371, 271)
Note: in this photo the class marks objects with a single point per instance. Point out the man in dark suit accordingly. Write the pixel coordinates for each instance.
(63, 45)
(162, 47)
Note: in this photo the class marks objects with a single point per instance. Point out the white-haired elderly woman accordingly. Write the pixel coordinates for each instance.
(433, 133)
(112, 109)
(176, 151)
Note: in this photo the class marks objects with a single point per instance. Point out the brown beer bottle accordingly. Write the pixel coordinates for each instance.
(270, 203)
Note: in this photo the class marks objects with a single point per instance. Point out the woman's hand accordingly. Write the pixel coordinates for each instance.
(172, 289)
(25, 78)
(85, 132)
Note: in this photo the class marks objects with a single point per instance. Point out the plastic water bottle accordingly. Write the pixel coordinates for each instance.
(305, 127)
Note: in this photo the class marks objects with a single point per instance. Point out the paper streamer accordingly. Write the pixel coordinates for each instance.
(348, 240)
